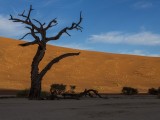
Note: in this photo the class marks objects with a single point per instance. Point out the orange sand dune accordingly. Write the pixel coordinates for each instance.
(105, 72)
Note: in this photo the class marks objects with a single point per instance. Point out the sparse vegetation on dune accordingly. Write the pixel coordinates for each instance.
(129, 91)
(154, 91)
(106, 72)
(58, 88)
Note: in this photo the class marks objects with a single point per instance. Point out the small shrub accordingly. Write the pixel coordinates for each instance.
(154, 91)
(23, 93)
(58, 88)
(129, 91)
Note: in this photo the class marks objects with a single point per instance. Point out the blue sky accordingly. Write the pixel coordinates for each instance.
(117, 26)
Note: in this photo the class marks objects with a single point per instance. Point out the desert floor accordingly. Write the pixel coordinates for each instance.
(114, 108)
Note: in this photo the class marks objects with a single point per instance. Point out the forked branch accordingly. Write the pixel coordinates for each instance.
(64, 30)
(41, 25)
(43, 30)
(51, 24)
(27, 19)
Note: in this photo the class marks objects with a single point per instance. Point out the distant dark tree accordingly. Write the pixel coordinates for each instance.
(38, 31)
(129, 91)
(90, 93)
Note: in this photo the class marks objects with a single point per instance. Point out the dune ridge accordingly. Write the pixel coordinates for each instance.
(105, 72)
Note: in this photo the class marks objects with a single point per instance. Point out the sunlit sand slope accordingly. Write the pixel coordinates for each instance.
(105, 72)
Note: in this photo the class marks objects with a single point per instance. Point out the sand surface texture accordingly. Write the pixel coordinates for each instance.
(105, 72)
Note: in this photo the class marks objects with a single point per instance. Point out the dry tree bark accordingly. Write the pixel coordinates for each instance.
(38, 32)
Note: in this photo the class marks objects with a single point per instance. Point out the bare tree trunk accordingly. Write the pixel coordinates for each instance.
(35, 89)
(38, 32)
(36, 75)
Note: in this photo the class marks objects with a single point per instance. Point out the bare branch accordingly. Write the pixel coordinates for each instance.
(39, 23)
(68, 33)
(55, 60)
(26, 21)
(28, 43)
(16, 19)
(41, 30)
(43, 24)
(64, 30)
(29, 13)
(23, 14)
(33, 33)
(11, 17)
(28, 27)
(51, 23)
(25, 36)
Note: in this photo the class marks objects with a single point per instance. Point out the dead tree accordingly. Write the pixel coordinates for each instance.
(38, 31)
(90, 93)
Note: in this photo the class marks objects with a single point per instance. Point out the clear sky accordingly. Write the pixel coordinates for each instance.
(117, 26)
